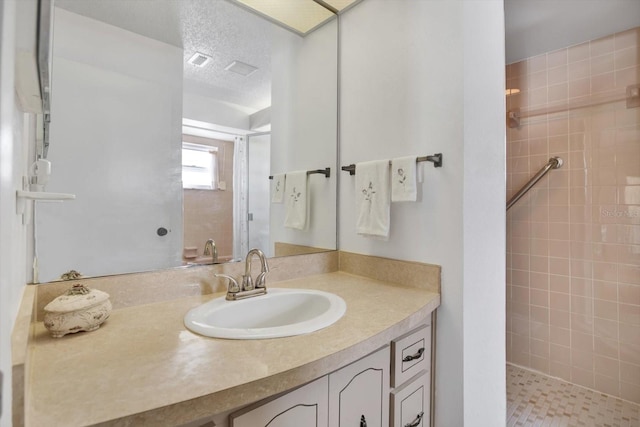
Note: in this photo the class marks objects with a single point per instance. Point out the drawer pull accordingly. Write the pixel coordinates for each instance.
(416, 422)
(418, 355)
(363, 421)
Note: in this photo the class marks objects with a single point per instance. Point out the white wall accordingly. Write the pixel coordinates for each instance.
(418, 78)
(116, 121)
(209, 110)
(484, 229)
(259, 156)
(303, 124)
(15, 137)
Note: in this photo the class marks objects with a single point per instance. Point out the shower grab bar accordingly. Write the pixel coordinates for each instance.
(326, 172)
(436, 159)
(553, 163)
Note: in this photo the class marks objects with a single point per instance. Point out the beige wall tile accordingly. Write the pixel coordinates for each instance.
(630, 314)
(582, 360)
(630, 392)
(625, 58)
(602, 46)
(605, 291)
(605, 309)
(559, 283)
(578, 52)
(557, 58)
(582, 377)
(605, 328)
(629, 294)
(560, 370)
(607, 366)
(606, 347)
(560, 319)
(607, 385)
(559, 301)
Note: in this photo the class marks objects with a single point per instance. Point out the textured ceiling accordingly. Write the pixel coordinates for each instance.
(214, 27)
(227, 33)
(537, 26)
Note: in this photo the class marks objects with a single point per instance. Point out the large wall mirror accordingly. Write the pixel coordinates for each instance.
(168, 120)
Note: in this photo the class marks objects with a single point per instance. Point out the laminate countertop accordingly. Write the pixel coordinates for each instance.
(143, 367)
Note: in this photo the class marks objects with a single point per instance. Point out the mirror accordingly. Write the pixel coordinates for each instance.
(127, 110)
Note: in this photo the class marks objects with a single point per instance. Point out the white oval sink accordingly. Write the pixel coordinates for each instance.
(279, 313)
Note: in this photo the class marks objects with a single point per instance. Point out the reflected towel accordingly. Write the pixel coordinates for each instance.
(403, 180)
(296, 200)
(372, 198)
(277, 188)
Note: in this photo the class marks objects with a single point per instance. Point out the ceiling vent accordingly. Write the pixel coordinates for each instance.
(199, 59)
(241, 68)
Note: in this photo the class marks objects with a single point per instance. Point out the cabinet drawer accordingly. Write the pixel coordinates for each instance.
(410, 354)
(410, 403)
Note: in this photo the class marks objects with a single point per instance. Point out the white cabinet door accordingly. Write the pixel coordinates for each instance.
(359, 393)
(303, 407)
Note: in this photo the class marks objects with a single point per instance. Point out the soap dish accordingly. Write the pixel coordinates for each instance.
(78, 309)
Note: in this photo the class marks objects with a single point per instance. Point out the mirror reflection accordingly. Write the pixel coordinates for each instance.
(168, 117)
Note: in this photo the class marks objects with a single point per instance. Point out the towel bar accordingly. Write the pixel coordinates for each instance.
(436, 159)
(326, 172)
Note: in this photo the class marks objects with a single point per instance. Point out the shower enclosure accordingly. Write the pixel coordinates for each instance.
(573, 241)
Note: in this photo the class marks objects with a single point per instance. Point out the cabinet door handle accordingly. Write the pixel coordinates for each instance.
(418, 355)
(416, 422)
(363, 421)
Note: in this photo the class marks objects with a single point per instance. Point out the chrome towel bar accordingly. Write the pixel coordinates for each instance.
(436, 159)
(553, 163)
(326, 172)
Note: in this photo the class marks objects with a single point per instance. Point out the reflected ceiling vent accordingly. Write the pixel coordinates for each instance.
(241, 68)
(199, 59)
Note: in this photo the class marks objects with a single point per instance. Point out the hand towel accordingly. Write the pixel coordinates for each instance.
(296, 200)
(403, 179)
(277, 188)
(372, 198)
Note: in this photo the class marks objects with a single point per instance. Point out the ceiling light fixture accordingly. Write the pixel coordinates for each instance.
(199, 59)
(241, 68)
(513, 91)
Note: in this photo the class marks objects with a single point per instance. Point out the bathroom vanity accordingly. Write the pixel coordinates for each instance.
(359, 393)
(143, 367)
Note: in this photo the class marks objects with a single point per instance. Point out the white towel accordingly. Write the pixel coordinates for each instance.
(296, 200)
(403, 180)
(372, 198)
(277, 188)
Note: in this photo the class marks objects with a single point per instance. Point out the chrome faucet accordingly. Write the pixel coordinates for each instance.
(247, 281)
(236, 291)
(210, 248)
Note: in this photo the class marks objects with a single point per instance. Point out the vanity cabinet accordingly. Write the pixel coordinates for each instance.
(390, 387)
(359, 393)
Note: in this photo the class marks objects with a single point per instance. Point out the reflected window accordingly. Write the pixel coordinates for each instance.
(199, 166)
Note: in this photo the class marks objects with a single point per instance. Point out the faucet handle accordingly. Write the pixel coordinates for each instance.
(261, 280)
(232, 284)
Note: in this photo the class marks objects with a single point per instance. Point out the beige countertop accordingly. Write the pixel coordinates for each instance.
(143, 367)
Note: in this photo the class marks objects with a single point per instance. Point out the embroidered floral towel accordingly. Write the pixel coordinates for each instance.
(277, 188)
(403, 180)
(296, 200)
(372, 198)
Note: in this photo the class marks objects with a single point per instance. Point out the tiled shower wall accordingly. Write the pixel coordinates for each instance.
(573, 243)
(208, 214)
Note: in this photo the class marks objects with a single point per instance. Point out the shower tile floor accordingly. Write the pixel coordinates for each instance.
(535, 399)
